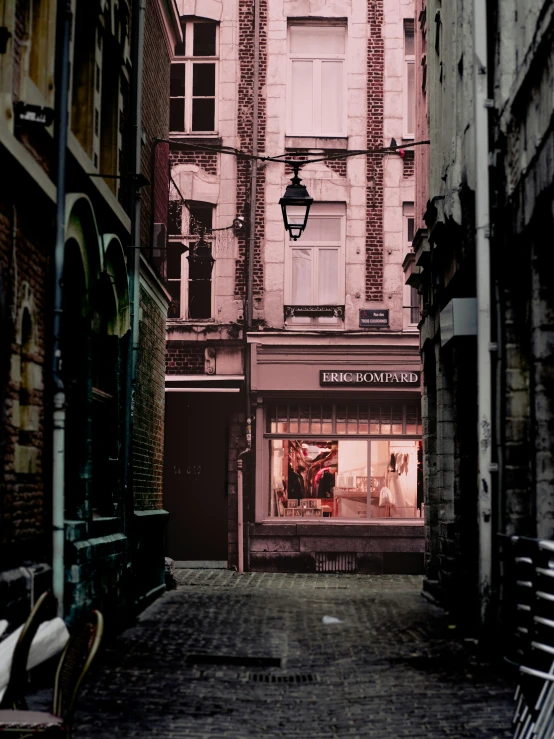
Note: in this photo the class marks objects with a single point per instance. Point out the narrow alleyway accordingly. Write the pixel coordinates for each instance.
(250, 656)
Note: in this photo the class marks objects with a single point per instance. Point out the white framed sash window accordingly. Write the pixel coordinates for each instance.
(316, 90)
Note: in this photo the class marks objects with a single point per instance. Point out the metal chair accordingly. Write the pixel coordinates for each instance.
(534, 716)
(14, 695)
(73, 666)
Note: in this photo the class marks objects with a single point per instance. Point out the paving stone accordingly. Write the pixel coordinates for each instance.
(390, 669)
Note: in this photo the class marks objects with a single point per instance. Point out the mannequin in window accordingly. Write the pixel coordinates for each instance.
(294, 490)
(326, 484)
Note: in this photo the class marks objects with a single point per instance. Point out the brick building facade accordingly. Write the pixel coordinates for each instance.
(305, 81)
(107, 522)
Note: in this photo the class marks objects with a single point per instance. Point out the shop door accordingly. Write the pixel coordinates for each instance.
(195, 480)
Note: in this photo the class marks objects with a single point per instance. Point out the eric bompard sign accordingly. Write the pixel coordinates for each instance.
(369, 377)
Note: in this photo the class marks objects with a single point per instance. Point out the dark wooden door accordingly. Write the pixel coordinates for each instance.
(195, 481)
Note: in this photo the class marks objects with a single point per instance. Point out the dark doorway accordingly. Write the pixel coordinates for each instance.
(195, 482)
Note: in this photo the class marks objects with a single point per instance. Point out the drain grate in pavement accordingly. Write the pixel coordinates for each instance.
(232, 659)
(301, 677)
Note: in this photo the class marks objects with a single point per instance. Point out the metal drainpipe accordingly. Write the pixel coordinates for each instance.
(65, 21)
(134, 256)
(250, 280)
(482, 248)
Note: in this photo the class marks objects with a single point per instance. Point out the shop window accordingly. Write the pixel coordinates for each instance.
(315, 265)
(409, 79)
(193, 83)
(328, 478)
(392, 418)
(319, 460)
(189, 284)
(316, 83)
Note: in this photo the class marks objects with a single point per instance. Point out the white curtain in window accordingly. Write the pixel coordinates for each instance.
(322, 229)
(328, 292)
(302, 98)
(410, 99)
(301, 276)
(332, 85)
(317, 40)
(317, 68)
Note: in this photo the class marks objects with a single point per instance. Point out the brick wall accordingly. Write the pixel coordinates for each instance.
(184, 358)
(23, 505)
(337, 165)
(245, 132)
(204, 159)
(155, 112)
(408, 165)
(148, 432)
(374, 195)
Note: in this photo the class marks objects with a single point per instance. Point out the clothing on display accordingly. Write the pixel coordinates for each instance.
(347, 478)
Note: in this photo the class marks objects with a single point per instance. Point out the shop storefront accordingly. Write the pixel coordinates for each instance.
(338, 458)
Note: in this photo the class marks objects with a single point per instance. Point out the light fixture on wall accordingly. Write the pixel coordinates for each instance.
(295, 205)
(201, 261)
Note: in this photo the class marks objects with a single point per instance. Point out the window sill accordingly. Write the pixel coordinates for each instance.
(178, 135)
(343, 521)
(191, 321)
(316, 142)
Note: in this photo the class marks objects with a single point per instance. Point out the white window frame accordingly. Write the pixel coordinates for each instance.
(317, 128)
(184, 291)
(189, 60)
(325, 211)
(409, 60)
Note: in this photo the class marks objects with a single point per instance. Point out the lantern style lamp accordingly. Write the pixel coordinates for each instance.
(295, 205)
(200, 260)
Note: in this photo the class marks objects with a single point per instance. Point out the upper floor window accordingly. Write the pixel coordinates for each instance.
(317, 80)
(42, 23)
(99, 92)
(193, 103)
(409, 79)
(316, 263)
(411, 295)
(190, 285)
(34, 39)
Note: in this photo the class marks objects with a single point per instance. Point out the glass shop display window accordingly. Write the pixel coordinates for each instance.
(335, 475)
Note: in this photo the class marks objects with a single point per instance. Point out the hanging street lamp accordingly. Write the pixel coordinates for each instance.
(200, 260)
(295, 205)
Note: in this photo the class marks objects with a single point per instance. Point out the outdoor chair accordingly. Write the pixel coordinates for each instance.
(74, 663)
(14, 695)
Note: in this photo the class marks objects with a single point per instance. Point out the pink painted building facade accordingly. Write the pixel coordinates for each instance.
(328, 368)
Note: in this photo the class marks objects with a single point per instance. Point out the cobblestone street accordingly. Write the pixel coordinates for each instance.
(228, 655)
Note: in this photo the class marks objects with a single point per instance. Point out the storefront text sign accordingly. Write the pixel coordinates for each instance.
(369, 377)
(374, 318)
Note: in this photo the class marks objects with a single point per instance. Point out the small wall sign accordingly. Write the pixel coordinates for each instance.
(370, 318)
(370, 377)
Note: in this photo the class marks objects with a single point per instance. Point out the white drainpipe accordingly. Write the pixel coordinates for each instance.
(240, 504)
(482, 248)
